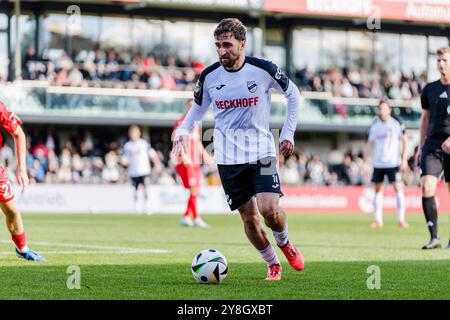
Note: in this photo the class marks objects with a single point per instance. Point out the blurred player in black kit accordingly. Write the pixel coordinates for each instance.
(434, 149)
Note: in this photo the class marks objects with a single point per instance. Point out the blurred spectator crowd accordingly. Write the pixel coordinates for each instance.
(338, 169)
(112, 69)
(109, 68)
(361, 83)
(85, 159)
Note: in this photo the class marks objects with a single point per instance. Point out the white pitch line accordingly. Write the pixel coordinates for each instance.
(113, 249)
(84, 252)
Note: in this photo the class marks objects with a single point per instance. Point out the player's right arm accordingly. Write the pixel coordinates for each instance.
(424, 121)
(124, 159)
(424, 127)
(11, 123)
(368, 148)
(202, 101)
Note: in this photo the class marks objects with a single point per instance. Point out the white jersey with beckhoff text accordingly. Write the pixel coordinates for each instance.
(138, 154)
(387, 137)
(242, 100)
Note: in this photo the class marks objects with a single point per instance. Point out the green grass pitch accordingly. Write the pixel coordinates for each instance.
(112, 252)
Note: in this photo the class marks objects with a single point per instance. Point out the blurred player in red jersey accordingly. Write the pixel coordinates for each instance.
(190, 171)
(11, 123)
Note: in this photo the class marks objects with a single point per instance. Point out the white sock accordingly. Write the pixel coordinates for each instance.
(281, 237)
(24, 249)
(401, 204)
(269, 255)
(379, 206)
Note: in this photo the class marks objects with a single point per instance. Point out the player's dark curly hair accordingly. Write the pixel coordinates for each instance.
(233, 25)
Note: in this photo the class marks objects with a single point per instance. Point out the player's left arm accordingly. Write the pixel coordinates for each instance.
(283, 84)
(21, 152)
(404, 140)
(404, 164)
(155, 159)
(287, 132)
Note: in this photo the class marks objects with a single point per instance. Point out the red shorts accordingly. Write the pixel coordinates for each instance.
(190, 175)
(6, 193)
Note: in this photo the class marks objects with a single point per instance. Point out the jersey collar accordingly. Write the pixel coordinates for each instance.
(232, 71)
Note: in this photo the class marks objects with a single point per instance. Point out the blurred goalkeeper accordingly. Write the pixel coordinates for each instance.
(190, 171)
(11, 123)
(434, 148)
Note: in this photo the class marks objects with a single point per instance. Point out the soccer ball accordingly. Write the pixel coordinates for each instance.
(209, 266)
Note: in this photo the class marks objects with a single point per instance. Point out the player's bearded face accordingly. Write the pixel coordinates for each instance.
(229, 49)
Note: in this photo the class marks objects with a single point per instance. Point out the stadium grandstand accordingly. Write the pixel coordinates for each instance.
(80, 73)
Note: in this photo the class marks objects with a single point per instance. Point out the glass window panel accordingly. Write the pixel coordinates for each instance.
(276, 54)
(306, 49)
(3, 21)
(87, 35)
(203, 47)
(414, 53)
(387, 51)
(3, 57)
(360, 49)
(334, 48)
(116, 33)
(177, 39)
(26, 28)
(436, 43)
(53, 32)
(147, 34)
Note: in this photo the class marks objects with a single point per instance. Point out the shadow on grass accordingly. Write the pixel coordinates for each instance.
(319, 280)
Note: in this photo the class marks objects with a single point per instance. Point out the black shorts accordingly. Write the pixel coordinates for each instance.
(136, 181)
(393, 175)
(433, 162)
(242, 181)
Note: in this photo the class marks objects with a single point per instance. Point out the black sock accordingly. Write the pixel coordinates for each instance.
(431, 215)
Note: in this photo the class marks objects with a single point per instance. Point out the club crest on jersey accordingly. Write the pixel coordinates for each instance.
(252, 86)
(448, 109)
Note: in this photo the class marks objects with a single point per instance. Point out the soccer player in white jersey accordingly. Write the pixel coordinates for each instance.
(239, 89)
(137, 153)
(387, 136)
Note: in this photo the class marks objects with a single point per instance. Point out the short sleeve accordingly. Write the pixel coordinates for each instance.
(201, 96)
(8, 119)
(424, 99)
(280, 81)
(151, 152)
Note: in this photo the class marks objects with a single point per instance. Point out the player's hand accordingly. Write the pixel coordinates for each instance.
(286, 148)
(179, 146)
(446, 146)
(212, 167)
(417, 157)
(22, 178)
(404, 166)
